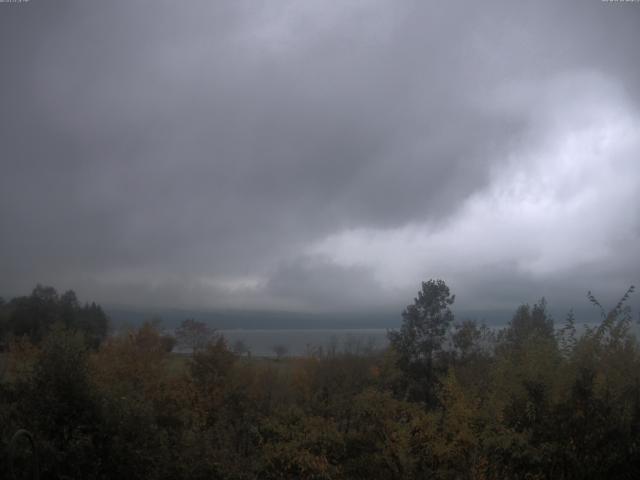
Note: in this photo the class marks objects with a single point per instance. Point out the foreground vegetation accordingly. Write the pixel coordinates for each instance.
(447, 400)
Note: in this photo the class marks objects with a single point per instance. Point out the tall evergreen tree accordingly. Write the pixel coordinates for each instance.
(420, 340)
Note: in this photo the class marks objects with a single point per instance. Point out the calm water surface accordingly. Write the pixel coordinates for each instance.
(301, 342)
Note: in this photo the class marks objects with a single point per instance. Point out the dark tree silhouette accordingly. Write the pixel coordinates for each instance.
(421, 337)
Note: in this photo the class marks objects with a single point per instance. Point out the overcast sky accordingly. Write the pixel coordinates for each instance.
(319, 155)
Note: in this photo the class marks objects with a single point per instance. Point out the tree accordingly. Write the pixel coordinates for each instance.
(280, 351)
(59, 405)
(466, 337)
(92, 320)
(194, 335)
(529, 322)
(34, 315)
(130, 374)
(240, 348)
(211, 366)
(421, 338)
(4, 317)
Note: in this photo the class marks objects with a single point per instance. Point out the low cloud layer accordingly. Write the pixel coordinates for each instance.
(315, 156)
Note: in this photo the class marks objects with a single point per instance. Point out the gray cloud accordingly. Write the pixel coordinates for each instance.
(318, 283)
(163, 152)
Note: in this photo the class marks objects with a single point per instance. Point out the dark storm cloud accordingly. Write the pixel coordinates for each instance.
(195, 153)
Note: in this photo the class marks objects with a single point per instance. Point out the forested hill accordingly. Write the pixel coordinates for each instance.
(124, 316)
(272, 320)
(253, 319)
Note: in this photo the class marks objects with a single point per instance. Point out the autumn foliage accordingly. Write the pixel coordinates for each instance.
(447, 400)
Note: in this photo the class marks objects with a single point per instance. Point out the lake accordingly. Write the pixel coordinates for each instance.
(302, 341)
